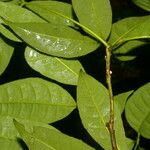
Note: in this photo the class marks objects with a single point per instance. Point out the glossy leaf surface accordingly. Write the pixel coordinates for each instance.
(94, 14)
(35, 99)
(121, 99)
(145, 4)
(47, 139)
(93, 105)
(137, 110)
(46, 10)
(62, 70)
(6, 52)
(130, 29)
(55, 40)
(15, 13)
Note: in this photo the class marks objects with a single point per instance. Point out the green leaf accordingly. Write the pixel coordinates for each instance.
(6, 52)
(6, 144)
(130, 29)
(145, 4)
(125, 52)
(93, 105)
(62, 70)
(121, 99)
(9, 135)
(94, 14)
(137, 110)
(49, 139)
(46, 10)
(35, 99)
(61, 41)
(15, 13)
(8, 34)
(130, 143)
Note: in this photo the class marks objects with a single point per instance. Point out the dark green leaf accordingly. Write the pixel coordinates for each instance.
(16, 13)
(93, 105)
(6, 52)
(121, 99)
(94, 14)
(137, 110)
(145, 4)
(125, 52)
(61, 41)
(46, 10)
(61, 70)
(49, 139)
(130, 29)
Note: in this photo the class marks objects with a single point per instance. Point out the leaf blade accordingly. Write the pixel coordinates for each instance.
(91, 16)
(43, 138)
(62, 70)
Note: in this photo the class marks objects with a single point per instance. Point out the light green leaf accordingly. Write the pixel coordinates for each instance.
(46, 10)
(121, 99)
(125, 52)
(62, 70)
(7, 144)
(61, 41)
(6, 52)
(9, 134)
(8, 34)
(145, 4)
(130, 143)
(94, 14)
(93, 105)
(15, 13)
(137, 110)
(47, 139)
(35, 99)
(130, 29)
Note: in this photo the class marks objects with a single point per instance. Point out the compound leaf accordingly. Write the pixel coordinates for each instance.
(137, 110)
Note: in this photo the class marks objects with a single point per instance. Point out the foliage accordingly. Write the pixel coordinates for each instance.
(55, 35)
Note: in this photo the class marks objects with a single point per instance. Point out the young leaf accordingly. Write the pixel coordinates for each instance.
(35, 99)
(94, 14)
(61, 41)
(46, 8)
(6, 52)
(137, 110)
(62, 70)
(121, 99)
(93, 105)
(6, 144)
(48, 139)
(130, 29)
(8, 34)
(15, 13)
(145, 4)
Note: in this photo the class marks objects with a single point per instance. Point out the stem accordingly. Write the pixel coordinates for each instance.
(110, 124)
(137, 142)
